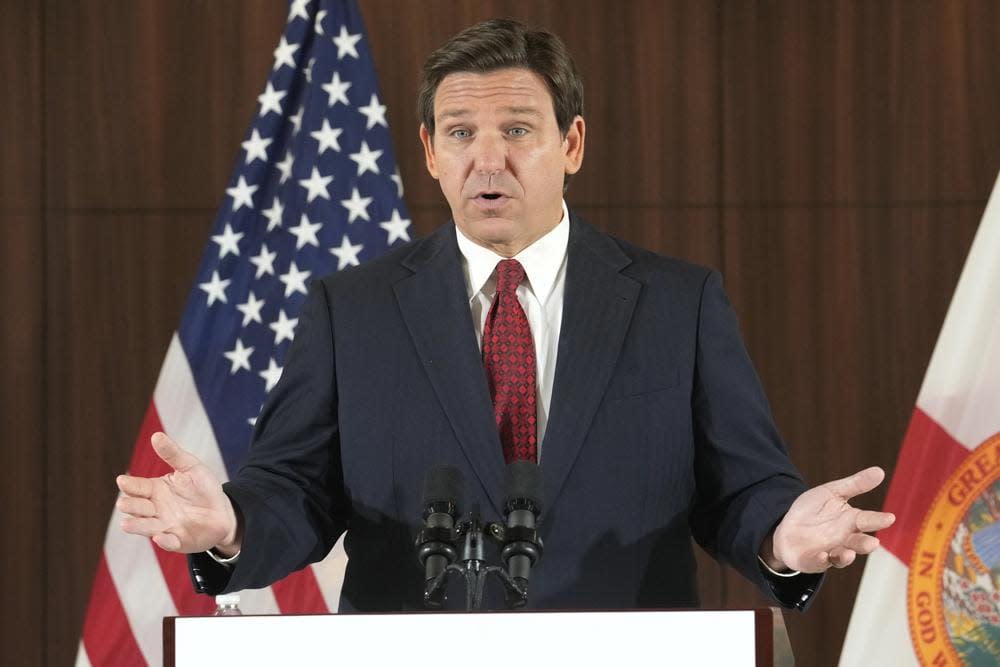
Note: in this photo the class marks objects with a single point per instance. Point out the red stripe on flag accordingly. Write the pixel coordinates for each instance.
(107, 635)
(299, 593)
(929, 455)
(145, 462)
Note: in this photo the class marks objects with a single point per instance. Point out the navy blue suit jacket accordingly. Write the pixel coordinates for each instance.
(659, 430)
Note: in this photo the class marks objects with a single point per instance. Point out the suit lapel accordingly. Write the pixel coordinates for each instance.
(597, 309)
(435, 307)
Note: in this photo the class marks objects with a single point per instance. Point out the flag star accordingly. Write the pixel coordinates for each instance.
(305, 232)
(271, 375)
(274, 214)
(309, 68)
(216, 288)
(366, 159)
(228, 241)
(396, 227)
(256, 147)
(285, 167)
(296, 120)
(375, 113)
(251, 309)
(398, 180)
(347, 254)
(327, 137)
(242, 194)
(295, 280)
(284, 328)
(252, 421)
(283, 54)
(239, 356)
(320, 15)
(346, 43)
(264, 261)
(336, 90)
(270, 100)
(317, 185)
(357, 206)
(298, 10)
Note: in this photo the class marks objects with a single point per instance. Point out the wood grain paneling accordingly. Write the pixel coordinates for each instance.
(20, 111)
(23, 495)
(119, 282)
(840, 309)
(150, 100)
(860, 102)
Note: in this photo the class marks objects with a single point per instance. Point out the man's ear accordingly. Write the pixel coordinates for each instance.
(428, 141)
(573, 145)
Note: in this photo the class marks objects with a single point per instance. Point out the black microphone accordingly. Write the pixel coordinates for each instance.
(522, 545)
(436, 542)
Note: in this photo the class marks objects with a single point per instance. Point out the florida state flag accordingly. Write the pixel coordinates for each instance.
(930, 594)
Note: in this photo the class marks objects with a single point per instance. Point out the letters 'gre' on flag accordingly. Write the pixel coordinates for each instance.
(315, 190)
(930, 594)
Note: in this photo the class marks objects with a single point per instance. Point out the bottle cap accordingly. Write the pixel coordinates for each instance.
(227, 600)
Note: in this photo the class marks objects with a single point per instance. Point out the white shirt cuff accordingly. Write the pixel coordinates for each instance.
(222, 560)
(794, 573)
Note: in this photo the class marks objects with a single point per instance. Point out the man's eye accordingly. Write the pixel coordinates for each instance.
(518, 131)
(460, 134)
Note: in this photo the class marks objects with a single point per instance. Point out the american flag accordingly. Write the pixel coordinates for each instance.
(315, 190)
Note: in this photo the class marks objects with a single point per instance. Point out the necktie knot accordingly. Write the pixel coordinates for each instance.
(510, 274)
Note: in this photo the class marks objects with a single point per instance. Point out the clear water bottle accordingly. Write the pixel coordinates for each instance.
(227, 605)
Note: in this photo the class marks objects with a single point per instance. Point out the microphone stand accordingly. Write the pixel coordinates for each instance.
(472, 567)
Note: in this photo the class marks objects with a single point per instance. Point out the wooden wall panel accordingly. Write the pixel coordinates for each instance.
(119, 282)
(860, 102)
(22, 383)
(150, 100)
(840, 311)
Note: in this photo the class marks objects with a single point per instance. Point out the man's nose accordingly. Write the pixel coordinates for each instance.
(490, 153)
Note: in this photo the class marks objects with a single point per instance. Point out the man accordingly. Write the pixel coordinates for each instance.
(518, 332)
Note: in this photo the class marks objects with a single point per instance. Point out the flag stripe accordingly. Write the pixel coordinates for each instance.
(878, 633)
(107, 636)
(299, 593)
(928, 457)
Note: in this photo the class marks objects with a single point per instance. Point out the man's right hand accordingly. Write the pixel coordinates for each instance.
(185, 510)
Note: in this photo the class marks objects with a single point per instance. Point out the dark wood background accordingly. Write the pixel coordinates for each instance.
(831, 158)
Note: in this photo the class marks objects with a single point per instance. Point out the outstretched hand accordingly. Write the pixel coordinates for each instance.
(185, 510)
(822, 530)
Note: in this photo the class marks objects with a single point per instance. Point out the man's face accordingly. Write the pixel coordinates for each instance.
(499, 156)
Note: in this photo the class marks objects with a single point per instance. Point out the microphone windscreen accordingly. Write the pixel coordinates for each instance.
(443, 484)
(523, 481)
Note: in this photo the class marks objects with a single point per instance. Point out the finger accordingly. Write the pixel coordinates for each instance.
(147, 527)
(173, 454)
(138, 507)
(167, 541)
(869, 521)
(138, 487)
(841, 557)
(858, 483)
(861, 543)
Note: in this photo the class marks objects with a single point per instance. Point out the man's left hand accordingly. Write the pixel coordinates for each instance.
(822, 529)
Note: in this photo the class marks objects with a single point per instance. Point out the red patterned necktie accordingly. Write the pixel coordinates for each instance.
(509, 358)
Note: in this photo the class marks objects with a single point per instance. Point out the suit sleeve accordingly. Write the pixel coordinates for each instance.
(745, 479)
(290, 492)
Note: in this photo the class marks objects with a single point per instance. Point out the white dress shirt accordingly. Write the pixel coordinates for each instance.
(540, 295)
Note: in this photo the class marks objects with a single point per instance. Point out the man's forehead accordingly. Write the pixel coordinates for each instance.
(518, 91)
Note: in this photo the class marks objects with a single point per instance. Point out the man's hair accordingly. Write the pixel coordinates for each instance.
(500, 44)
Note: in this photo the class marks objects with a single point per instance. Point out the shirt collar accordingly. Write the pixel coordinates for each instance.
(541, 260)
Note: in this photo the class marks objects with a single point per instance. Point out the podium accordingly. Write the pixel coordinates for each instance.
(752, 638)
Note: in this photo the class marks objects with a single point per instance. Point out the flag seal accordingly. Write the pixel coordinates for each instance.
(953, 592)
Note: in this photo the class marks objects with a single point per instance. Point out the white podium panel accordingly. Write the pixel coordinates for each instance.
(730, 638)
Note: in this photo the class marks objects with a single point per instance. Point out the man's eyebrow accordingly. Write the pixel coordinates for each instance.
(516, 111)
